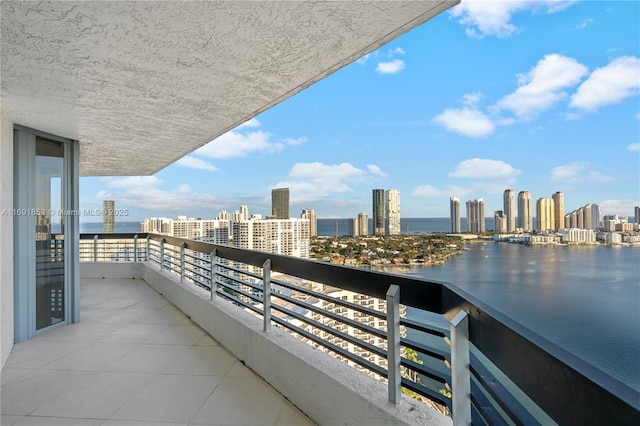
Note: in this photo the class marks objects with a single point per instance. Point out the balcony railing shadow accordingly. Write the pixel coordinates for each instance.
(463, 358)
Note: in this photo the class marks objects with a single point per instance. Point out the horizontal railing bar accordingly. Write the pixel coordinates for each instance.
(344, 336)
(432, 352)
(489, 414)
(239, 301)
(242, 292)
(334, 348)
(425, 391)
(240, 271)
(346, 304)
(348, 321)
(426, 371)
(418, 326)
(238, 280)
(511, 406)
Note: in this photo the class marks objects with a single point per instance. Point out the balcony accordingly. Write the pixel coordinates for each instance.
(134, 357)
(470, 361)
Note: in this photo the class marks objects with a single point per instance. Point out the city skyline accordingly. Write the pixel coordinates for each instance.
(561, 114)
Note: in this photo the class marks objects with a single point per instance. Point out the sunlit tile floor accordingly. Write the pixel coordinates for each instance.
(134, 359)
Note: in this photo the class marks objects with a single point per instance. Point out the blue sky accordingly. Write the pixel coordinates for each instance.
(531, 95)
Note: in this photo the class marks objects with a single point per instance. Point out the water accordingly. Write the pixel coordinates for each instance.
(327, 227)
(121, 227)
(585, 299)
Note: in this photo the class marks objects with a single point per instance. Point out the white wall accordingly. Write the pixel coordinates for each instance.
(6, 237)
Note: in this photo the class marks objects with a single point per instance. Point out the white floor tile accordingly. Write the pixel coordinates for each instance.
(37, 389)
(97, 397)
(291, 416)
(178, 335)
(241, 401)
(147, 358)
(56, 421)
(203, 360)
(41, 353)
(94, 357)
(169, 398)
(134, 333)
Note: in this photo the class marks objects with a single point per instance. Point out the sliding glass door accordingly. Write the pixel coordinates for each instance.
(45, 232)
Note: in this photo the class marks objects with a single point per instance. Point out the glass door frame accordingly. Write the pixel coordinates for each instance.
(24, 231)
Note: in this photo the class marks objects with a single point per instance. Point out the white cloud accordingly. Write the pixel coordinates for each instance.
(431, 191)
(576, 173)
(240, 142)
(486, 169)
(492, 18)
(295, 141)
(584, 24)
(376, 170)
(471, 99)
(147, 194)
(319, 180)
(391, 67)
(619, 207)
(132, 182)
(466, 121)
(364, 59)
(634, 146)
(196, 163)
(609, 85)
(397, 51)
(249, 123)
(543, 86)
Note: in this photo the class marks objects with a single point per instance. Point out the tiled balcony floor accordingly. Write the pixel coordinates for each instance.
(134, 359)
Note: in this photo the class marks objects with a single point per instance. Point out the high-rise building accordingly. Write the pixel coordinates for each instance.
(636, 212)
(509, 204)
(280, 236)
(363, 224)
(244, 212)
(392, 210)
(313, 221)
(525, 211)
(353, 227)
(454, 214)
(108, 216)
(475, 215)
(587, 221)
(580, 216)
(545, 214)
(501, 221)
(378, 212)
(280, 203)
(596, 217)
(558, 210)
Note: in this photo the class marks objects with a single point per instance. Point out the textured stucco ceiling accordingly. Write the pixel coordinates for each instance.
(141, 84)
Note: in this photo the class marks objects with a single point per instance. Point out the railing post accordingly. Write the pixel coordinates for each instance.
(135, 248)
(182, 247)
(460, 374)
(148, 248)
(266, 295)
(393, 343)
(162, 254)
(95, 248)
(212, 266)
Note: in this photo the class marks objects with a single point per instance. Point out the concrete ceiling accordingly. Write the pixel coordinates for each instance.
(141, 84)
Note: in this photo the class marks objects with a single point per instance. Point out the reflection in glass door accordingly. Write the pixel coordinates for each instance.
(49, 233)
